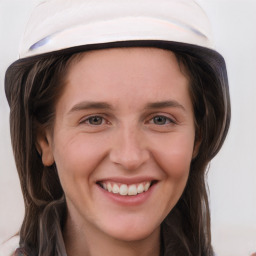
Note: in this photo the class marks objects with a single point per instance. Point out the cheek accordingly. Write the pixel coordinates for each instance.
(174, 158)
(77, 157)
(174, 154)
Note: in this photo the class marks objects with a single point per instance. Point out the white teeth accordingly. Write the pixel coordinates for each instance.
(124, 189)
(109, 187)
(115, 189)
(140, 188)
(147, 185)
(132, 190)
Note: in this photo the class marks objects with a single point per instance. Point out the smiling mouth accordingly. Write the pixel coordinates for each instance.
(126, 189)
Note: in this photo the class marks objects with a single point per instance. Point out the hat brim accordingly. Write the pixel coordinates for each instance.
(203, 53)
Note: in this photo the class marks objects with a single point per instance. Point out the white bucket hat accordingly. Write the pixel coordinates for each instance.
(56, 25)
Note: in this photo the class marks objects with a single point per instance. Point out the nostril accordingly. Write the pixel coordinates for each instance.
(128, 149)
(129, 160)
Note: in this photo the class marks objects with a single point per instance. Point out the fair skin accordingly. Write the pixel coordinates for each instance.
(124, 124)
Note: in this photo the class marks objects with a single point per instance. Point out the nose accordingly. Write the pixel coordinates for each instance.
(129, 149)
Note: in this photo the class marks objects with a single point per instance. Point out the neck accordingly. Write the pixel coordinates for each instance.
(84, 240)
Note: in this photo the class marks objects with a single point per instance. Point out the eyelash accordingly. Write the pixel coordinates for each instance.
(167, 120)
(152, 120)
(88, 119)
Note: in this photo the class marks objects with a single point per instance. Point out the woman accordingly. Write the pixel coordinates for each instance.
(116, 110)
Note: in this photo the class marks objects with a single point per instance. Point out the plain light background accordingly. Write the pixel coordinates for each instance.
(232, 174)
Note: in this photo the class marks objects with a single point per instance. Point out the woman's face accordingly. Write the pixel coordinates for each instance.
(123, 141)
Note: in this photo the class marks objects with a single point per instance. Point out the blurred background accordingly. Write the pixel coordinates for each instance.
(232, 174)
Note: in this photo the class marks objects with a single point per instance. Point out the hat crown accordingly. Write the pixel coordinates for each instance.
(57, 24)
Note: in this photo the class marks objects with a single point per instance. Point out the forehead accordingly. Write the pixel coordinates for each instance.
(149, 57)
(138, 74)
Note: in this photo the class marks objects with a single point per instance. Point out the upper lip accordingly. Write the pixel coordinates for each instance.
(127, 180)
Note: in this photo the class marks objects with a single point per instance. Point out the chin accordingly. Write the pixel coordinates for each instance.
(132, 232)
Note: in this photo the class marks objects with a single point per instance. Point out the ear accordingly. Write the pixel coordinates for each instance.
(196, 148)
(44, 147)
(197, 143)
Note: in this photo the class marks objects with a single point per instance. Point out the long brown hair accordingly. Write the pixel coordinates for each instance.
(33, 86)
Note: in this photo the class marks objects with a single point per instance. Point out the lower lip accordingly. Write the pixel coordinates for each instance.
(129, 200)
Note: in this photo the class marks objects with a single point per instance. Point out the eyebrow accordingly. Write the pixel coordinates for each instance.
(165, 104)
(103, 105)
(90, 105)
